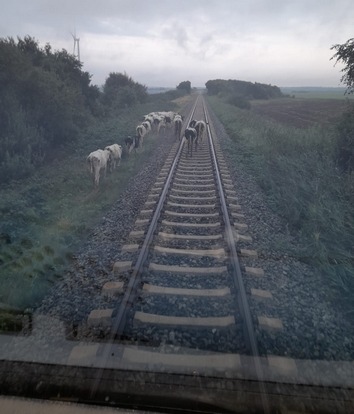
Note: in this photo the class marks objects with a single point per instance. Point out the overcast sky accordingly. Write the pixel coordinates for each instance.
(165, 42)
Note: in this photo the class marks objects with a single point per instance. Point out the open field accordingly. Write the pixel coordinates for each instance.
(302, 113)
(308, 92)
(290, 147)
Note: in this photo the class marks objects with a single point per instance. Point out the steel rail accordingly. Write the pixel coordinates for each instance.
(251, 342)
(128, 299)
(237, 274)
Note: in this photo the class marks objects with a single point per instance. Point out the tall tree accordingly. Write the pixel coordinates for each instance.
(46, 100)
(121, 90)
(345, 53)
(186, 86)
(344, 146)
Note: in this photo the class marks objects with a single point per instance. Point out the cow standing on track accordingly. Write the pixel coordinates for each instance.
(200, 127)
(177, 122)
(190, 134)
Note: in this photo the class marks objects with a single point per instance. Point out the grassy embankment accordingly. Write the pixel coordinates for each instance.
(296, 169)
(44, 217)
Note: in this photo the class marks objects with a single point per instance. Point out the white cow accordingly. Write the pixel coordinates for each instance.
(98, 161)
(147, 126)
(141, 132)
(200, 127)
(161, 128)
(116, 155)
(178, 126)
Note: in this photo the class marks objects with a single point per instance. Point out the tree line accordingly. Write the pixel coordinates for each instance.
(239, 93)
(46, 100)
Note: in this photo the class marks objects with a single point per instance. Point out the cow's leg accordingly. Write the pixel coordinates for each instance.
(97, 177)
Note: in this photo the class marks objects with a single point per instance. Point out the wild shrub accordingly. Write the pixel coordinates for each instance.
(45, 101)
(185, 87)
(22, 144)
(120, 91)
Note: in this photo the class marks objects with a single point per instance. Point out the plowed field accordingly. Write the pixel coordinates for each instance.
(302, 113)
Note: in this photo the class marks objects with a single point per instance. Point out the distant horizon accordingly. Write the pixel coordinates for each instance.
(314, 87)
(294, 87)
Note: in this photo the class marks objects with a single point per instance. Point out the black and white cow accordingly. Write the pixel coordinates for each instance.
(191, 136)
(200, 127)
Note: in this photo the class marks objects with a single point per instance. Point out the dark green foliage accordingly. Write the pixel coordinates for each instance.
(345, 53)
(120, 91)
(184, 86)
(247, 90)
(45, 100)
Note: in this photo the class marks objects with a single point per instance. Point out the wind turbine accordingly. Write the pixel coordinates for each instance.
(76, 46)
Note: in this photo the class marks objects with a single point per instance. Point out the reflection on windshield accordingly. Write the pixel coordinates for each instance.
(180, 248)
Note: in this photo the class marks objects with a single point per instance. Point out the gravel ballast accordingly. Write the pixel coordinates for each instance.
(312, 326)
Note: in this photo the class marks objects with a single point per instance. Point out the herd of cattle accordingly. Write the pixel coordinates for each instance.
(101, 161)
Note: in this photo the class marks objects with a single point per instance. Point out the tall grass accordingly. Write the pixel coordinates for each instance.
(44, 217)
(297, 170)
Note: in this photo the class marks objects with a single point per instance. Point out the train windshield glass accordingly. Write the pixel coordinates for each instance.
(176, 199)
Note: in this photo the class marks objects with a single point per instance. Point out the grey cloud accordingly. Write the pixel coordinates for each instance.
(203, 30)
(180, 34)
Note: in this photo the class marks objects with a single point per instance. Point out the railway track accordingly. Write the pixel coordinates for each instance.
(183, 285)
(175, 327)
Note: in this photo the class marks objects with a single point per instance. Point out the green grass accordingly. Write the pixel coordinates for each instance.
(296, 170)
(48, 214)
